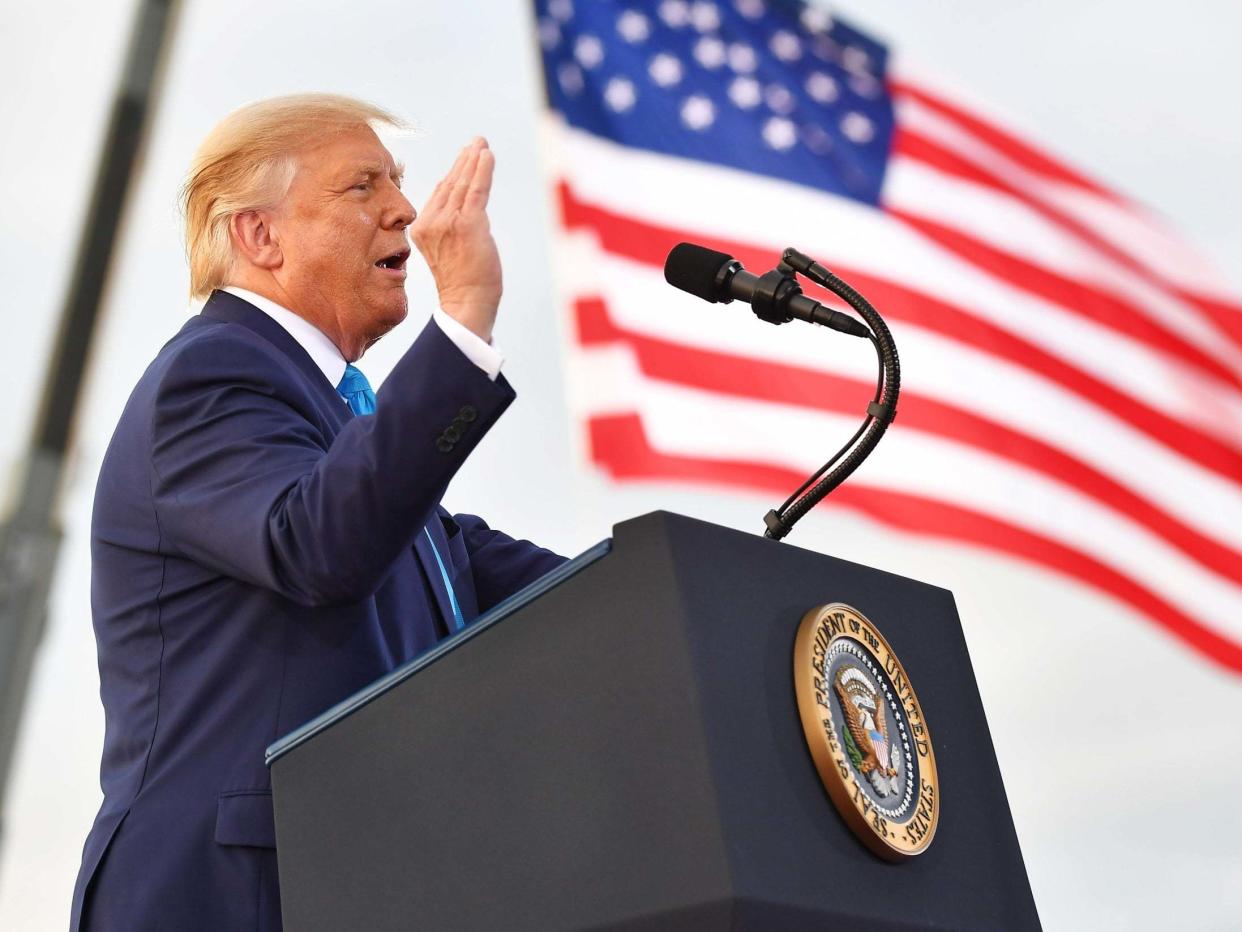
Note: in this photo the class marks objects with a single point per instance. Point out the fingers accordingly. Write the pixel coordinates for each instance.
(440, 195)
(481, 184)
(467, 184)
(464, 175)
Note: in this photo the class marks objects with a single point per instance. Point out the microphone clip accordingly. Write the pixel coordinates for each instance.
(774, 291)
(778, 297)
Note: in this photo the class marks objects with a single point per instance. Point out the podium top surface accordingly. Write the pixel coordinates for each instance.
(496, 615)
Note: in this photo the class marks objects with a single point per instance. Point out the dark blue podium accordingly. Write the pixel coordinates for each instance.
(619, 747)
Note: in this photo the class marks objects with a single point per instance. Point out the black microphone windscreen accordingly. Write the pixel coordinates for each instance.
(694, 269)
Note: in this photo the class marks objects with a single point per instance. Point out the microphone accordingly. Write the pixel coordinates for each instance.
(775, 296)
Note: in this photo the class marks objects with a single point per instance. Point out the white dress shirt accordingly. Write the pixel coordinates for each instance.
(329, 359)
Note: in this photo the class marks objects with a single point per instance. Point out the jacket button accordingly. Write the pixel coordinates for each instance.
(444, 445)
(468, 413)
(452, 433)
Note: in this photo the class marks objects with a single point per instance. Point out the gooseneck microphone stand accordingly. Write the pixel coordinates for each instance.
(880, 412)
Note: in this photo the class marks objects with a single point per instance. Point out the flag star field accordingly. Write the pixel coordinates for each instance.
(767, 91)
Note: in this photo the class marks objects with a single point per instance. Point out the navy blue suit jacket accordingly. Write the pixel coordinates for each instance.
(257, 556)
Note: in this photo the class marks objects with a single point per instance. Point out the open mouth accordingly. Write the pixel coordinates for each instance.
(394, 262)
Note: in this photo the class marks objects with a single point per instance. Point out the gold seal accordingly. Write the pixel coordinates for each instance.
(866, 731)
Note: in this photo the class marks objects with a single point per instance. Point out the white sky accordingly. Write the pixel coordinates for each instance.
(1139, 94)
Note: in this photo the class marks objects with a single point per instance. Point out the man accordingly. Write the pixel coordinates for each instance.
(267, 537)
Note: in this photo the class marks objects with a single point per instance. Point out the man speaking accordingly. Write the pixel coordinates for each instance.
(267, 536)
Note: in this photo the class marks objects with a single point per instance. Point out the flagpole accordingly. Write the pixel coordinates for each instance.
(30, 536)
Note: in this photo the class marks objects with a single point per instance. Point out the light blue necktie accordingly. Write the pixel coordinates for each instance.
(356, 390)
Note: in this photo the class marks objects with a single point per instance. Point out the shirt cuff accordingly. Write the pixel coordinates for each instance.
(474, 347)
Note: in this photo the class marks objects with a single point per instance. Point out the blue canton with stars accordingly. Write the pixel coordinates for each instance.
(775, 87)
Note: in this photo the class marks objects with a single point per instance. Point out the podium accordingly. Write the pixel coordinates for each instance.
(619, 747)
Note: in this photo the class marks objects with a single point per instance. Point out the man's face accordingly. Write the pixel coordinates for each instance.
(341, 232)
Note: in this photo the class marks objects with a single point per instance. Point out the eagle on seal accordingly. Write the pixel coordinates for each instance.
(864, 717)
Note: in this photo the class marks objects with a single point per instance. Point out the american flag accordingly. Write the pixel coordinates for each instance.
(1071, 371)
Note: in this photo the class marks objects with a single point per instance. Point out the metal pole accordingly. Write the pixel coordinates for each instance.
(30, 537)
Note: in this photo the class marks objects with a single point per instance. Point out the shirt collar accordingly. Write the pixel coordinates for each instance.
(322, 351)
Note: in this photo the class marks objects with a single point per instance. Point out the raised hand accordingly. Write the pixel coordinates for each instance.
(454, 236)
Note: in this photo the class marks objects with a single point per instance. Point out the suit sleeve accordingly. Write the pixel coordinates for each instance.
(500, 565)
(246, 484)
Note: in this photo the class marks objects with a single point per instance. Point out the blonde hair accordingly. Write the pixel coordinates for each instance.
(247, 163)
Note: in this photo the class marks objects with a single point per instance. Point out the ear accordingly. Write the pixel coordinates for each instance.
(255, 238)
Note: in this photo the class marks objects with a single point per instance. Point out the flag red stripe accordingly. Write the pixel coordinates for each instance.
(1013, 148)
(1071, 294)
(648, 243)
(1226, 315)
(752, 378)
(915, 146)
(619, 444)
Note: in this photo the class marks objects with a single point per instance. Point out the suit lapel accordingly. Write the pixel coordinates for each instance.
(229, 308)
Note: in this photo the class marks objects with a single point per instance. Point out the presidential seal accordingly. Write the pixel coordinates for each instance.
(866, 731)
